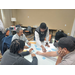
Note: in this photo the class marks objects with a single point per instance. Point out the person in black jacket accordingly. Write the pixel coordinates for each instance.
(15, 55)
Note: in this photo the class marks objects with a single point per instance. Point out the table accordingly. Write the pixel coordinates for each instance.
(42, 60)
(33, 28)
(50, 29)
(14, 30)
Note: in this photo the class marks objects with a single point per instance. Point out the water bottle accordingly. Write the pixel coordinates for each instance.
(53, 40)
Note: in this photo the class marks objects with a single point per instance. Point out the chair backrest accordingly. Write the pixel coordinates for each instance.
(7, 41)
(29, 29)
(7, 33)
(17, 26)
(49, 37)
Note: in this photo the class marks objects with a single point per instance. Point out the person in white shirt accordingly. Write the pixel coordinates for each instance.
(1, 26)
(41, 33)
(19, 35)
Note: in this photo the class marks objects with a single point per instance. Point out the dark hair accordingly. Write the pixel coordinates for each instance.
(59, 35)
(67, 43)
(60, 30)
(43, 26)
(16, 46)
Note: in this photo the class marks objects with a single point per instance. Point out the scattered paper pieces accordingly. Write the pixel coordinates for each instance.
(43, 58)
(38, 49)
(53, 49)
(32, 42)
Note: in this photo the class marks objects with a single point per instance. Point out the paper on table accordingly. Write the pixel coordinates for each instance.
(35, 45)
(32, 42)
(43, 58)
(53, 49)
(24, 50)
(38, 49)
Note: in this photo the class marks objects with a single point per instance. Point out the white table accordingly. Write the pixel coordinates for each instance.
(42, 60)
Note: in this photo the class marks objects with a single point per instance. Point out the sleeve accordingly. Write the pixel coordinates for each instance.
(63, 62)
(23, 61)
(47, 36)
(25, 53)
(13, 38)
(37, 39)
(25, 39)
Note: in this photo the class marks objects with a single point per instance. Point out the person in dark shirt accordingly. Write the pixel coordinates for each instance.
(15, 55)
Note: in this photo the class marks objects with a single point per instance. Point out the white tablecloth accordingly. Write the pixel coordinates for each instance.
(42, 60)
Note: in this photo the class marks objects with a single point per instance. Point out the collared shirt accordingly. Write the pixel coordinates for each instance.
(68, 59)
(20, 37)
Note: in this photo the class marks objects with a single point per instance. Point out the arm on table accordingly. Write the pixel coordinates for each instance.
(48, 54)
(25, 53)
(23, 61)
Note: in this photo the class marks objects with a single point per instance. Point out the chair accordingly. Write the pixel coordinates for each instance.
(28, 30)
(8, 31)
(6, 43)
(18, 25)
(49, 37)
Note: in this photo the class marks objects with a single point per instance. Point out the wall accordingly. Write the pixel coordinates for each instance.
(6, 15)
(73, 29)
(54, 18)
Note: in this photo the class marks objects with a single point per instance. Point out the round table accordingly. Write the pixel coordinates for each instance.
(42, 60)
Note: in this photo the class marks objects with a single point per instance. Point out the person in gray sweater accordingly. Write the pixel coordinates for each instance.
(15, 55)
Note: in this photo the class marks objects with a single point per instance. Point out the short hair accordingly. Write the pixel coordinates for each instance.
(67, 43)
(60, 30)
(43, 26)
(18, 29)
(59, 35)
(16, 46)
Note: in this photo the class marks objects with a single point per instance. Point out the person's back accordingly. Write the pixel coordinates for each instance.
(9, 58)
(15, 55)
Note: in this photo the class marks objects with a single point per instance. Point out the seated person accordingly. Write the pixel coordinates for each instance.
(19, 35)
(15, 55)
(40, 33)
(66, 48)
(65, 35)
(59, 35)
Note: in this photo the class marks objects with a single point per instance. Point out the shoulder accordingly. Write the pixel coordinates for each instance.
(15, 37)
(20, 61)
(24, 35)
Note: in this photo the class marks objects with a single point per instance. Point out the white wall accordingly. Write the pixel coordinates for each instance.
(73, 29)
(6, 15)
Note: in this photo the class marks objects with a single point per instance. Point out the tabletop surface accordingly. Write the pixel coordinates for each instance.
(42, 60)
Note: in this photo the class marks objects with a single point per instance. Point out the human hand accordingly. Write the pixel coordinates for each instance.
(43, 49)
(38, 52)
(47, 44)
(62, 53)
(29, 44)
(26, 47)
(33, 55)
(30, 50)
